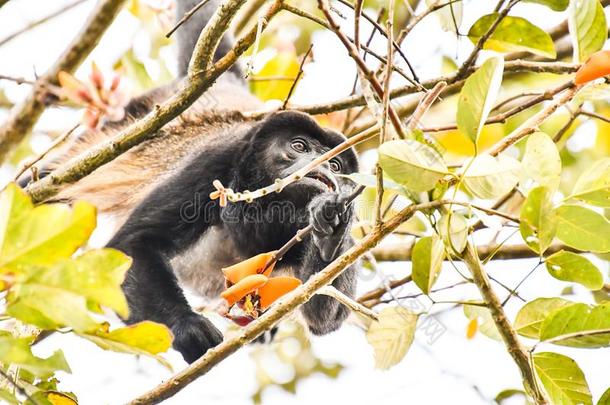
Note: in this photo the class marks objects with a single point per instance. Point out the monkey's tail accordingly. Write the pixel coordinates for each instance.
(188, 34)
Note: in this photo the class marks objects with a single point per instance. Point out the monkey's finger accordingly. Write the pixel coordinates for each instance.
(320, 222)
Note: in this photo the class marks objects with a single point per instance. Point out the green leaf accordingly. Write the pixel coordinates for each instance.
(583, 229)
(147, 338)
(563, 380)
(577, 318)
(513, 34)
(508, 394)
(569, 266)
(17, 352)
(453, 228)
(50, 307)
(588, 29)
(593, 185)
(529, 318)
(414, 165)
(487, 326)
(8, 397)
(392, 335)
(427, 259)
(41, 235)
(537, 221)
(605, 399)
(477, 97)
(541, 160)
(370, 180)
(593, 92)
(96, 275)
(135, 70)
(491, 177)
(556, 5)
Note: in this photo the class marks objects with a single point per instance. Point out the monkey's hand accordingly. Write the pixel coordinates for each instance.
(330, 219)
(194, 335)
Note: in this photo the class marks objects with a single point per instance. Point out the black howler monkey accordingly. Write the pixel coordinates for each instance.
(178, 237)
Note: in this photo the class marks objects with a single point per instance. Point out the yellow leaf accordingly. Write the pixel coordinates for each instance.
(392, 335)
(284, 64)
(40, 236)
(147, 338)
(57, 398)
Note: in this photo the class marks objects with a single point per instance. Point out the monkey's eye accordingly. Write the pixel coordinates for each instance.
(299, 145)
(335, 166)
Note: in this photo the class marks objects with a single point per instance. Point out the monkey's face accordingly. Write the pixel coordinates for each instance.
(290, 141)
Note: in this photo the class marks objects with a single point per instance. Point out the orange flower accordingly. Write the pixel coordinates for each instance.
(598, 65)
(100, 101)
(250, 287)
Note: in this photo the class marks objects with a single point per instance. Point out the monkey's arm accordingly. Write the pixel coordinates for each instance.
(330, 238)
(167, 222)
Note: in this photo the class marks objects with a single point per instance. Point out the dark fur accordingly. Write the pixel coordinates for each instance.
(148, 188)
(157, 231)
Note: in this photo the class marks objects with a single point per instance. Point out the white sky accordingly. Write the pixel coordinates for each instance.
(441, 373)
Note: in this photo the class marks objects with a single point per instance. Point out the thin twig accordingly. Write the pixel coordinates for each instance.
(278, 311)
(396, 252)
(368, 74)
(60, 139)
(186, 17)
(17, 386)
(532, 124)
(348, 302)
(366, 48)
(481, 42)
(595, 115)
(502, 117)
(299, 74)
(196, 83)
(425, 105)
(454, 84)
(23, 117)
(393, 44)
(379, 292)
(41, 21)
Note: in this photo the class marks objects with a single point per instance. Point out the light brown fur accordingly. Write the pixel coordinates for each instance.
(117, 187)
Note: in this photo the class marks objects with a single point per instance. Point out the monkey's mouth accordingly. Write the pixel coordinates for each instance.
(328, 183)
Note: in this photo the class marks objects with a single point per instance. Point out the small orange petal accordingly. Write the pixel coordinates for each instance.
(96, 76)
(598, 65)
(473, 327)
(244, 287)
(248, 267)
(275, 288)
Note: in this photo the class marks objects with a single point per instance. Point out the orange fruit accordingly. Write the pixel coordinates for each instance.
(598, 65)
(243, 287)
(248, 267)
(275, 288)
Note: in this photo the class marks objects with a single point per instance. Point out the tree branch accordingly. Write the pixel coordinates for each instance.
(194, 85)
(508, 334)
(367, 73)
(25, 115)
(454, 84)
(278, 311)
(402, 252)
